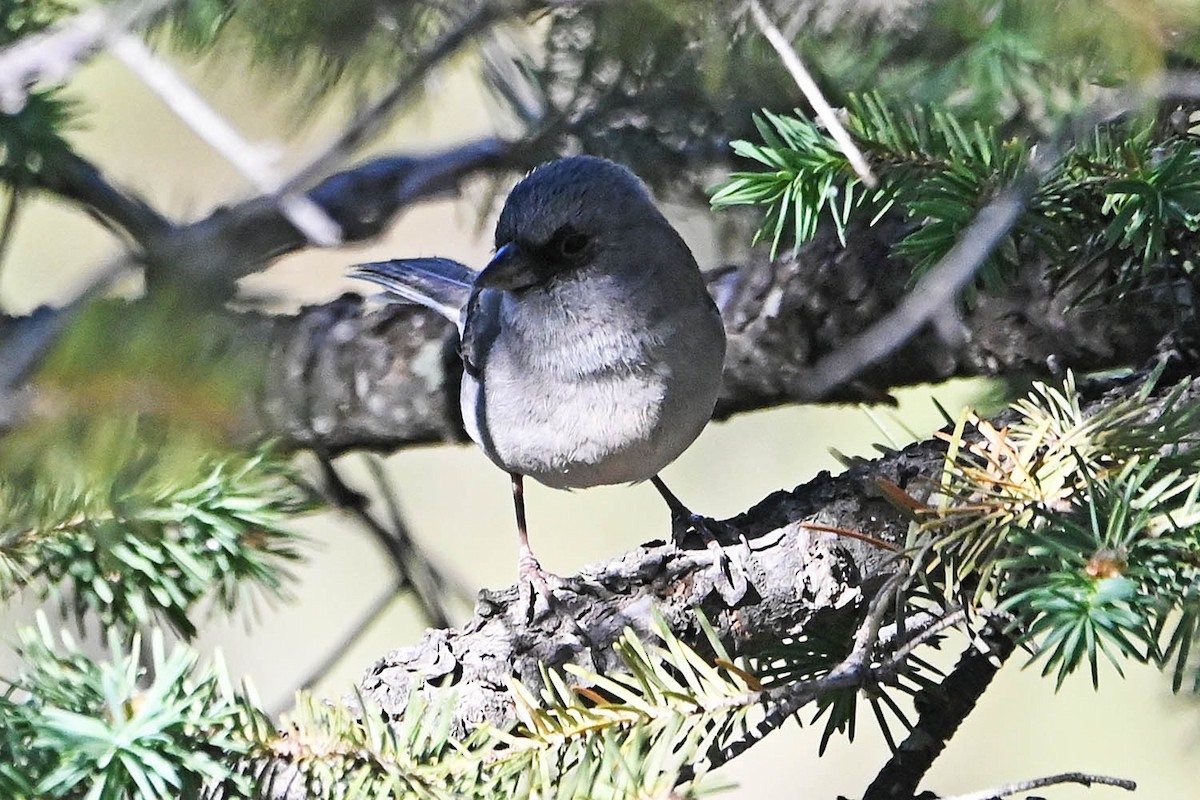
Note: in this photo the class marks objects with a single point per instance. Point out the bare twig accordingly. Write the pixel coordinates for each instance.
(49, 57)
(237, 241)
(412, 567)
(1052, 780)
(335, 653)
(371, 120)
(256, 162)
(791, 60)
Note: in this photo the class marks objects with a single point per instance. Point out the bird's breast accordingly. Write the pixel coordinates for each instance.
(584, 401)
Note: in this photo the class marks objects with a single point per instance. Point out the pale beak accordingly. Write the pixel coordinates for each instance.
(510, 269)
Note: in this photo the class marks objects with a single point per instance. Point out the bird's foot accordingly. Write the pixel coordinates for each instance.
(535, 586)
(685, 524)
(734, 581)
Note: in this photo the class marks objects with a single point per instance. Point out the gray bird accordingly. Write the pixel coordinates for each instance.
(592, 351)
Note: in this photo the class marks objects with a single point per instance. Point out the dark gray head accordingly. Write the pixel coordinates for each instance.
(562, 216)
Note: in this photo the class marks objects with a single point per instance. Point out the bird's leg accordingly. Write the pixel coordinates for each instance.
(534, 584)
(529, 569)
(683, 521)
(681, 517)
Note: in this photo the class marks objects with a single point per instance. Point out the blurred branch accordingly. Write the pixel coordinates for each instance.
(72, 177)
(343, 374)
(51, 56)
(1082, 778)
(25, 340)
(362, 201)
(255, 162)
(812, 92)
(941, 710)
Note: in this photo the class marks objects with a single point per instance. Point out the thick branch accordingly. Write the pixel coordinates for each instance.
(942, 709)
(342, 376)
(798, 578)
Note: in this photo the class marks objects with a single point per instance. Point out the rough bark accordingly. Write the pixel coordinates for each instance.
(800, 580)
(347, 375)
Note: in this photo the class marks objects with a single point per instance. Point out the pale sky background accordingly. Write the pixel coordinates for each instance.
(458, 503)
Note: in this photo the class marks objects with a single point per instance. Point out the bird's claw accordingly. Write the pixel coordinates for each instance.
(535, 587)
(734, 582)
(685, 525)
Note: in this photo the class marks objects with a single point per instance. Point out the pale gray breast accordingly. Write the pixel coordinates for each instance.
(573, 396)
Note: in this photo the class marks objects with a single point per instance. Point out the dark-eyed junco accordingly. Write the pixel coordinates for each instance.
(591, 347)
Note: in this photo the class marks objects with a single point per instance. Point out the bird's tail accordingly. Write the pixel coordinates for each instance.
(440, 284)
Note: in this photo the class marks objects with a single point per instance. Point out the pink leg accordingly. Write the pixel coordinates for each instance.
(528, 567)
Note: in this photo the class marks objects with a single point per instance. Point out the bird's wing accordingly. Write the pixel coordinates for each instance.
(440, 284)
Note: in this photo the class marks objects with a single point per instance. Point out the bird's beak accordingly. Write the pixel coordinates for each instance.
(510, 269)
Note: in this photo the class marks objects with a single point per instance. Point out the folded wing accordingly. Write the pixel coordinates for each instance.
(440, 284)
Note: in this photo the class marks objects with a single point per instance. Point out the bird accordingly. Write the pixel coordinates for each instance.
(592, 351)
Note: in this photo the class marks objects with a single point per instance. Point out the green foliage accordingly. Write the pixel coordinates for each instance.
(129, 493)
(1087, 528)
(631, 733)
(315, 44)
(32, 135)
(1117, 217)
(144, 548)
(75, 727)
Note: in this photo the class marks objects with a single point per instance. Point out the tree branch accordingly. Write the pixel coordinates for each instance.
(343, 375)
(801, 581)
(1082, 778)
(941, 710)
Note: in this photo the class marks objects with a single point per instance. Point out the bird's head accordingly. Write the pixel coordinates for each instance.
(564, 216)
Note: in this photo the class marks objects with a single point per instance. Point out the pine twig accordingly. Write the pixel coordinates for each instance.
(1082, 778)
(812, 92)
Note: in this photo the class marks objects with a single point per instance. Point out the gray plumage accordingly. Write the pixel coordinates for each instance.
(592, 349)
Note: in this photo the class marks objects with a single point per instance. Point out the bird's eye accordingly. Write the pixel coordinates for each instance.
(572, 244)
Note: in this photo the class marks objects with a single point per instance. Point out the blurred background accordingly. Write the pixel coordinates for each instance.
(458, 504)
